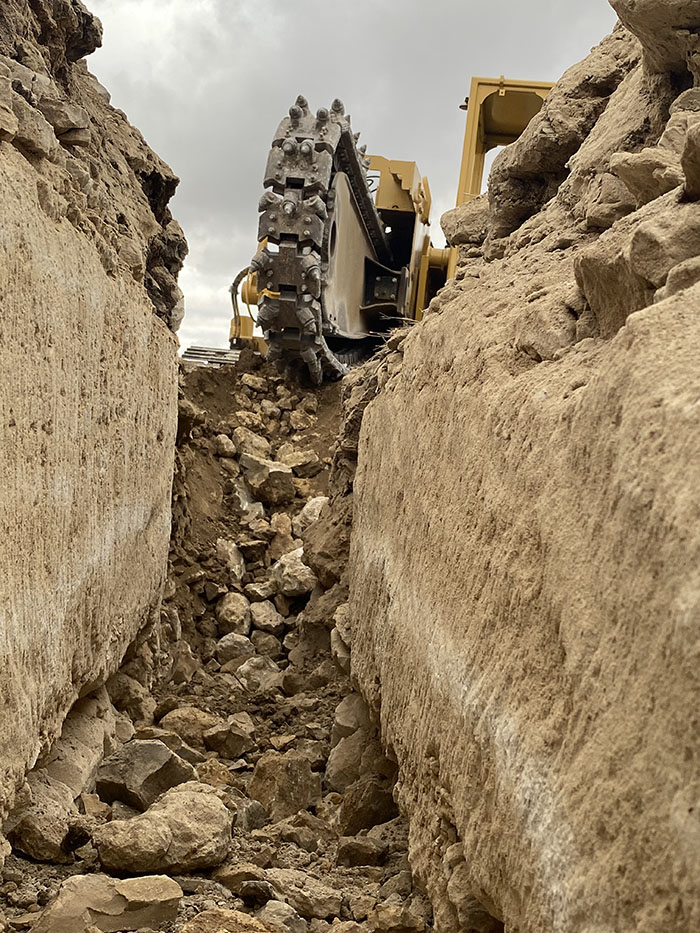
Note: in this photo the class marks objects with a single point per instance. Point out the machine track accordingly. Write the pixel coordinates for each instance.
(307, 152)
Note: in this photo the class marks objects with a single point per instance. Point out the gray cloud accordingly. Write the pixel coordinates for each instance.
(207, 81)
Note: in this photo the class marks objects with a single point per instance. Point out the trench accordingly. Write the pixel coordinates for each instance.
(231, 754)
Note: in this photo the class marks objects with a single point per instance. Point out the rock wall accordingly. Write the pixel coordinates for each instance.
(524, 591)
(89, 256)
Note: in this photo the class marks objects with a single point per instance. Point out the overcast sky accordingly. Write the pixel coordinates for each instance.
(207, 81)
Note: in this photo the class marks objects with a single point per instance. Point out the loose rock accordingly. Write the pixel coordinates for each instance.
(266, 618)
(282, 917)
(224, 446)
(292, 576)
(284, 784)
(366, 802)
(259, 675)
(188, 829)
(270, 482)
(225, 921)
(132, 697)
(267, 645)
(233, 614)
(228, 740)
(234, 649)
(229, 554)
(308, 896)
(361, 850)
(350, 715)
(89, 902)
(248, 442)
(190, 723)
(308, 515)
(139, 772)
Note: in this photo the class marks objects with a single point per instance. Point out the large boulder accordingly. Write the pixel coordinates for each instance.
(188, 829)
(88, 902)
(38, 827)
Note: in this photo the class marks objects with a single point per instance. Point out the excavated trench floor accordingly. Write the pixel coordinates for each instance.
(238, 737)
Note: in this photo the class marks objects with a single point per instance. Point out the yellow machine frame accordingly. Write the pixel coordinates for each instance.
(402, 189)
(498, 110)
(497, 113)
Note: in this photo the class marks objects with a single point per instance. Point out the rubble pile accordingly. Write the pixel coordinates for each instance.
(228, 776)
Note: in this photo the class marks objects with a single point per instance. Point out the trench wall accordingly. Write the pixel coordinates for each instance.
(89, 256)
(525, 599)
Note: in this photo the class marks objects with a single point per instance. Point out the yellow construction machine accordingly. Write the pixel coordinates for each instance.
(344, 250)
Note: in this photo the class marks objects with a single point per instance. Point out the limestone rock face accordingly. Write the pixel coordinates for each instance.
(668, 30)
(523, 576)
(528, 173)
(89, 256)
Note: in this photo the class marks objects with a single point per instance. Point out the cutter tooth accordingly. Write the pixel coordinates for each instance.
(316, 206)
(268, 200)
(260, 261)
